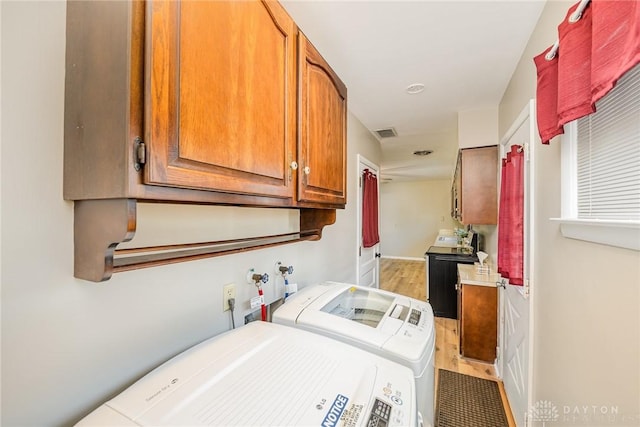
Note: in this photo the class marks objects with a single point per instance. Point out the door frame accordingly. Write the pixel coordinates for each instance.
(528, 290)
(363, 162)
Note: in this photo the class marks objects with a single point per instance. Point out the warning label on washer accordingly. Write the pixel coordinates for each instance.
(335, 411)
(350, 415)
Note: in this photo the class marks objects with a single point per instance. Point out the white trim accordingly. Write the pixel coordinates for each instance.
(618, 233)
(568, 171)
(529, 209)
(622, 234)
(524, 115)
(407, 258)
(531, 242)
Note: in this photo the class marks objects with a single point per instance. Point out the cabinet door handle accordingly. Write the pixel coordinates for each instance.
(307, 170)
(294, 165)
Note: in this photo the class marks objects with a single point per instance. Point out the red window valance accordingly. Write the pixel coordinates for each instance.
(594, 52)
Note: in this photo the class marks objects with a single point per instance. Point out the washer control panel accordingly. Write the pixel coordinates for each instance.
(380, 414)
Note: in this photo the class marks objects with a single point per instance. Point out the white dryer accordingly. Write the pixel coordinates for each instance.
(263, 374)
(396, 327)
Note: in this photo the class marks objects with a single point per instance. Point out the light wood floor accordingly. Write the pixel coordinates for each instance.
(408, 278)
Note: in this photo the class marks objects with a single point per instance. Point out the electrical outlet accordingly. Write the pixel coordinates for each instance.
(228, 291)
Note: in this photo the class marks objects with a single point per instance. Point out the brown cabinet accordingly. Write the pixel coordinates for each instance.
(221, 96)
(475, 186)
(197, 102)
(228, 120)
(456, 191)
(478, 321)
(322, 141)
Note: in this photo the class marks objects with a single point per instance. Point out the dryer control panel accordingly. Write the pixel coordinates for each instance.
(414, 317)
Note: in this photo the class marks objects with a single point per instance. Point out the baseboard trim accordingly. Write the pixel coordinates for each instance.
(406, 258)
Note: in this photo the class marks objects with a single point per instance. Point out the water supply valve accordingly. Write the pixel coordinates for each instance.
(283, 270)
(256, 278)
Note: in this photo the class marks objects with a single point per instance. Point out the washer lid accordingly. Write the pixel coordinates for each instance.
(405, 333)
(267, 374)
(364, 306)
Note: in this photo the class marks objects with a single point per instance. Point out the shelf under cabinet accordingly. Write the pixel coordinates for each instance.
(100, 225)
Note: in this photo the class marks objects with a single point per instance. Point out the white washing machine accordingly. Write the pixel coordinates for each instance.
(390, 325)
(264, 374)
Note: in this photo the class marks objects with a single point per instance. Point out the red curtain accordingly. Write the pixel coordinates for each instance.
(370, 235)
(574, 68)
(594, 52)
(546, 97)
(616, 43)
(511, 218)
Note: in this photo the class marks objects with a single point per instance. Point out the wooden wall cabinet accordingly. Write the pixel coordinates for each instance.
(456, 190)
(475, 186)
(195, 102)
(322, 141)
(220, 97)
(478, 321)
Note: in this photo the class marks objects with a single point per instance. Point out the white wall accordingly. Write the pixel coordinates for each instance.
(478, 127)
(411, 213)
(587, 296)
(68, 344)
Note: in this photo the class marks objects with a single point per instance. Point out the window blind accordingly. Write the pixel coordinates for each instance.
(608, 154)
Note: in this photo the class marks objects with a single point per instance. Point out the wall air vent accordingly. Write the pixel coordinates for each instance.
(386, 133)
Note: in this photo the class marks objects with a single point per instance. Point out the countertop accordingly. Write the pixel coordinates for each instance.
(441, 250)
(468, 276)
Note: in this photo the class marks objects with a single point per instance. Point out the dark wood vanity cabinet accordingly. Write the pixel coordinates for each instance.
(442, 279)
(442, 286)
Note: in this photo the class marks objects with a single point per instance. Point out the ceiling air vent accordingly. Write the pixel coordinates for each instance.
(386, 133)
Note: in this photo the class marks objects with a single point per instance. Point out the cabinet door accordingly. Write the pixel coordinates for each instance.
(479, 188)
(443, 276)
(220, 96)
(479, 322)
(323, 125)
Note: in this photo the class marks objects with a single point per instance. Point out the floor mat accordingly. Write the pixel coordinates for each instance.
(466, 401)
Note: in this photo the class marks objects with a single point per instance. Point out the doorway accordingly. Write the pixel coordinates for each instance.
(368, 261)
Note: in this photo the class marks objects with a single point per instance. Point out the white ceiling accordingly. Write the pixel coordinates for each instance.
(464, 52)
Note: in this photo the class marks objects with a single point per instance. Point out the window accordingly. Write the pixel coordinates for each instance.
(601, 169)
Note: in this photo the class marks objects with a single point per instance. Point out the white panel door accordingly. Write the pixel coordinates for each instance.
(516, 351)
(368, 261)
(514, 355)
